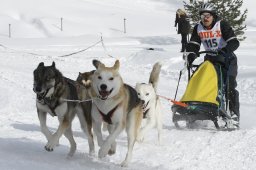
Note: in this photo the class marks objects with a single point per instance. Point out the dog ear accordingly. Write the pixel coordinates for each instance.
(97, 63)
(53, 64)
(117, 65)
(41, 64)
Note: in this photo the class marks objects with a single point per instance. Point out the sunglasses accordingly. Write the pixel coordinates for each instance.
(203, 16)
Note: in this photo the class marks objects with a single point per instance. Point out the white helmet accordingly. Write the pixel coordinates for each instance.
(207, 7)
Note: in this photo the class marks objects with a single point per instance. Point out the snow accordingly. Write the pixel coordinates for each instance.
(36, 37)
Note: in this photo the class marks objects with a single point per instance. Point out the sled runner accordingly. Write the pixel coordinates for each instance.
(205, 97)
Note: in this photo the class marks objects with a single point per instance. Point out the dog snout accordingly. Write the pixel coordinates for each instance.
(143, 101)
(38, 89)
(103, 87)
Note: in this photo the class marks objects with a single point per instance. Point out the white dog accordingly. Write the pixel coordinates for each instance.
(151, 104)
(118, 105)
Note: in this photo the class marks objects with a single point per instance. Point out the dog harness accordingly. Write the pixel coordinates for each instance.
(146, 111)
(145, 114)
(107, 117)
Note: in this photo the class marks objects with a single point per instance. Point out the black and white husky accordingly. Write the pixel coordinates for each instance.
(151, 104)
(54, 93)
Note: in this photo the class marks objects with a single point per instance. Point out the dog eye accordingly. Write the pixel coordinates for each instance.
(147, 94)
(111, 78)
(99, 77)
(138, 94)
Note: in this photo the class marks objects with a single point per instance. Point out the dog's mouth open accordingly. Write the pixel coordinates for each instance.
(104, 94)
(40, 96)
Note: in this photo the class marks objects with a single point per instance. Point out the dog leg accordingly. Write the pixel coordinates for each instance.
(110, 139)
(160, 130)
(131, 142)
(42, 119)
(159, 122)
(112, 150)
(64, 124)
(88, 131)
(131, 135)
(69, 135)
(149, 125)
(97, 129)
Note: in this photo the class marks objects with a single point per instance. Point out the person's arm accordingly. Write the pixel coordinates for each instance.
(176, 20)
(195, 42)
(229, 36)
(193, 46)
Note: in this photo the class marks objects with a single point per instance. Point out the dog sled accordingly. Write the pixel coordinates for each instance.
(205, 97)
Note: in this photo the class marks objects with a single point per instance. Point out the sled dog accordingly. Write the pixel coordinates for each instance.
(152, 110)
(53, 95)
(118, 105)
(85, 79)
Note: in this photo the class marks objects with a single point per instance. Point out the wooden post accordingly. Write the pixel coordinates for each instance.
(124, 25)
(61, 24)
(9, 30)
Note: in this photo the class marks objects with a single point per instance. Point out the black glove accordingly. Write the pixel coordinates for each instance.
(223, 51)
(191, 57)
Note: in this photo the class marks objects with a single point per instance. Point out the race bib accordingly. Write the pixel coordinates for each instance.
(212, 39)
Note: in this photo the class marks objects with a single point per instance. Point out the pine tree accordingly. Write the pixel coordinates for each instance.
(228, 10)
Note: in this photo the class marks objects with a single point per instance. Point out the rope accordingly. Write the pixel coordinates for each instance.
(17, 51)
(77, 101)
(81, 50)
(66, 55)
(174, 101)
(104, 47)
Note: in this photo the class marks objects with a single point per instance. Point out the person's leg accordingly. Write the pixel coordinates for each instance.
(233, 93)
(184, 42)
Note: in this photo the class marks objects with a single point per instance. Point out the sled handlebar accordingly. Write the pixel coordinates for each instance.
(205, 52)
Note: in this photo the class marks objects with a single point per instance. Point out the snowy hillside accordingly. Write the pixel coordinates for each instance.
(36, 36)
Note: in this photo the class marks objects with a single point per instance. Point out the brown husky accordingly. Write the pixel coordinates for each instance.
(118, 105)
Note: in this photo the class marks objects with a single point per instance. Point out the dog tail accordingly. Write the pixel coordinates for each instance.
(154, 76)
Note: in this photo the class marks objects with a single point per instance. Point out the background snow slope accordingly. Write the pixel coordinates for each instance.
(36, 37)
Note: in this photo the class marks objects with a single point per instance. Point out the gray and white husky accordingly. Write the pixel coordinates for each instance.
(118, 105)
(151, 104)
(54, 93)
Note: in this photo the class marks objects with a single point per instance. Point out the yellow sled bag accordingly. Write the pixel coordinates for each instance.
(203, 85)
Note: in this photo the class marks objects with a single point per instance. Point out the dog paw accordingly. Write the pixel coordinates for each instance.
(140, 138)
(49, 149)
(124, 163)
(111, 152)
(92, 153)
(51, 144)
(102, 152)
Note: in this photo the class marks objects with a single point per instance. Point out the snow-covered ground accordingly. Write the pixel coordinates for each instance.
(36, 37)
